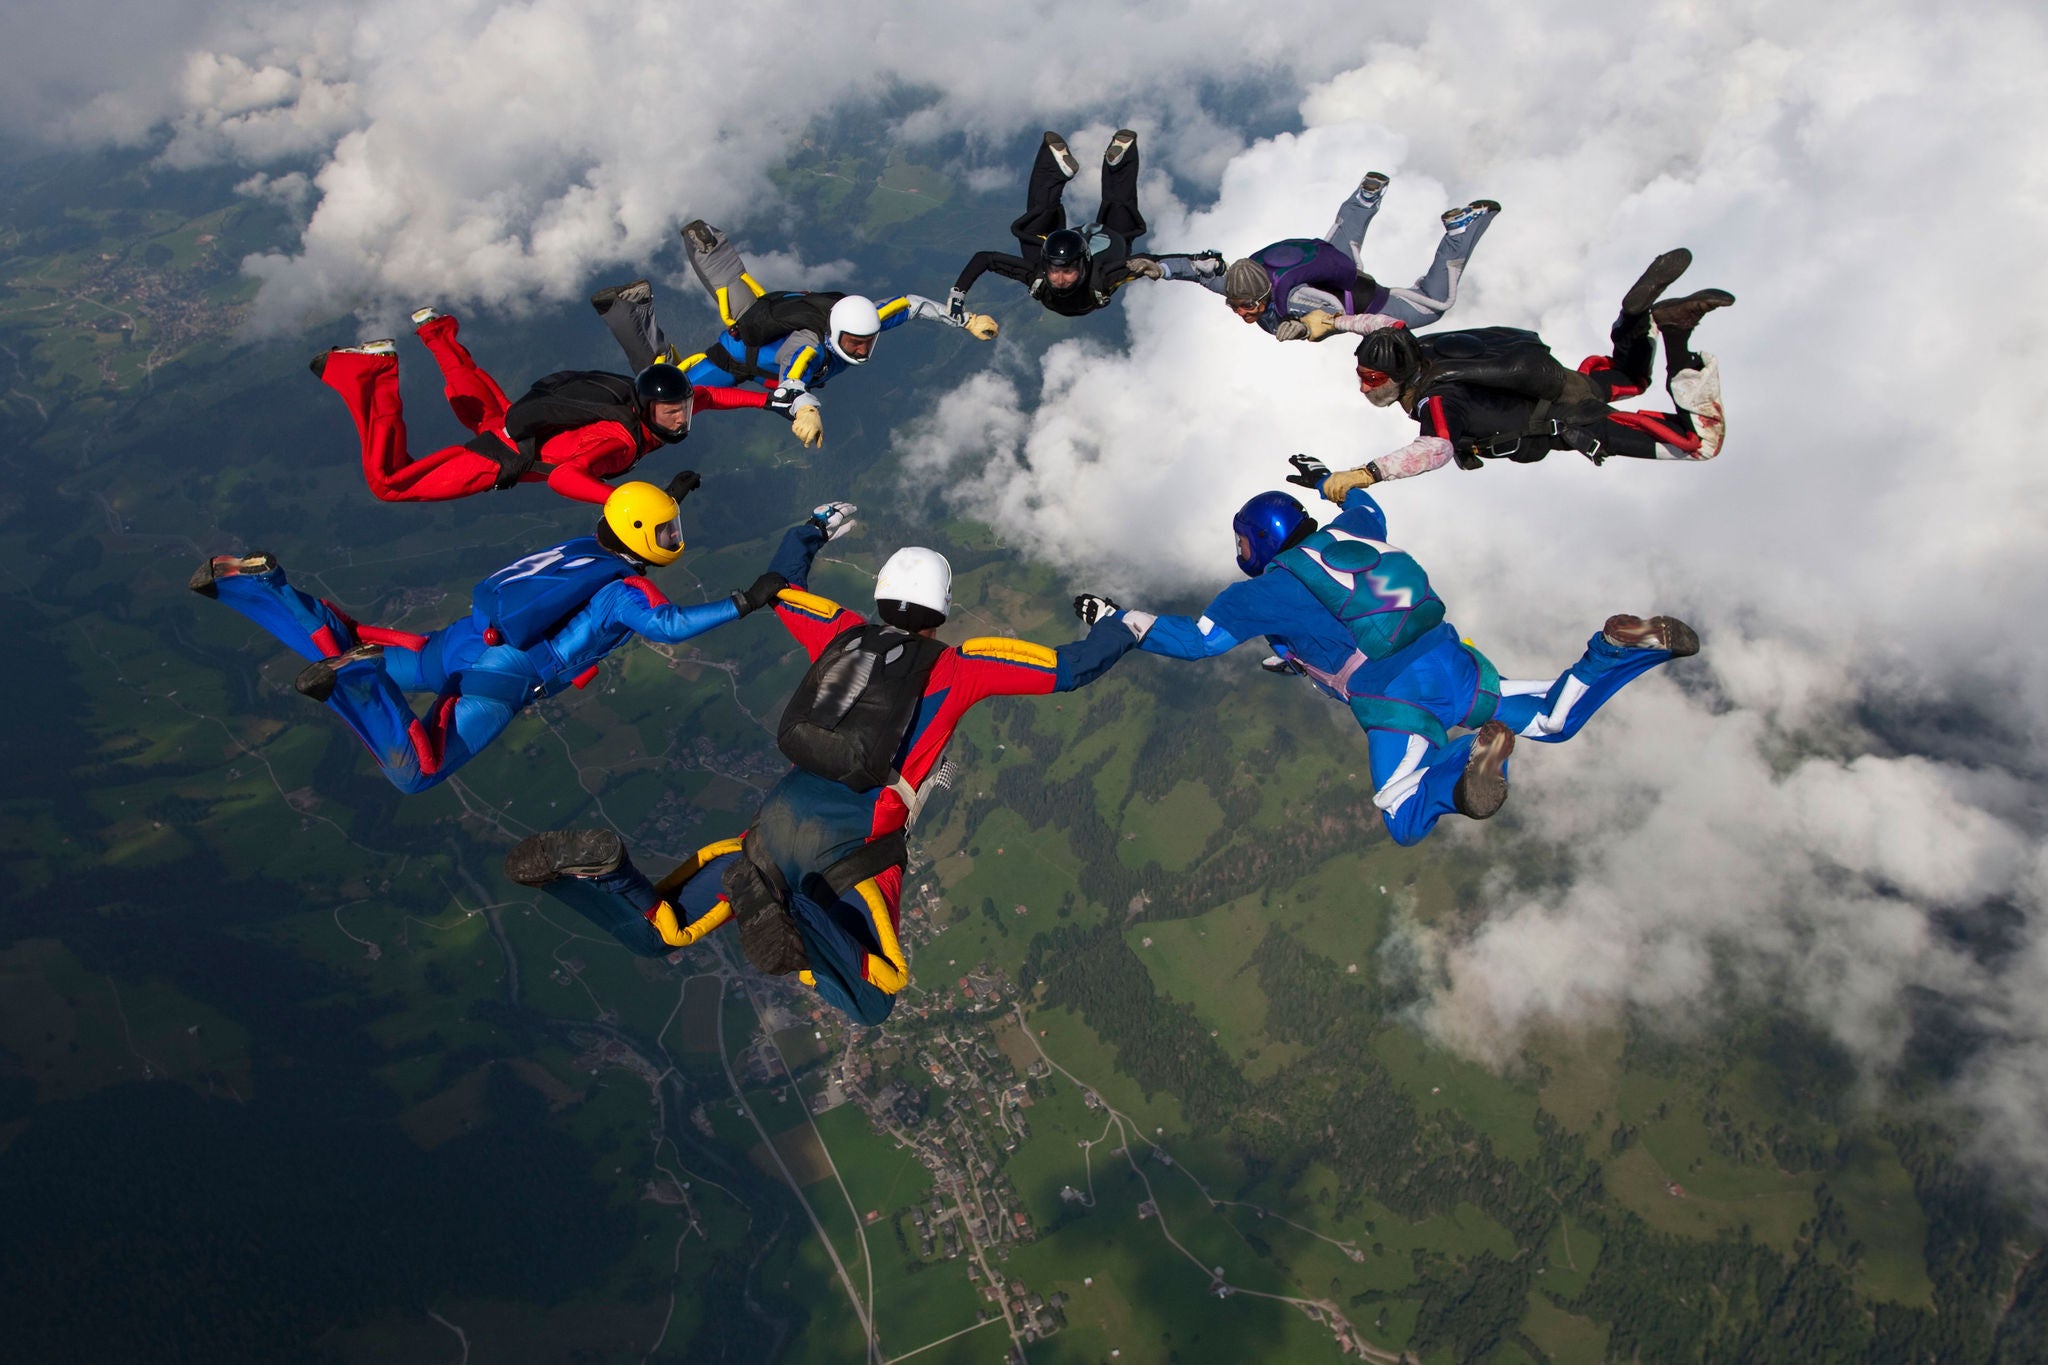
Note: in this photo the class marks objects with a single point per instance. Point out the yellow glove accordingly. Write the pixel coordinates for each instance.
(809, 427)
(1344, 480)
(1320, 323)
(981, 327)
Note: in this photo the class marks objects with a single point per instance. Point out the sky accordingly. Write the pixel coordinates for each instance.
(1802, 815)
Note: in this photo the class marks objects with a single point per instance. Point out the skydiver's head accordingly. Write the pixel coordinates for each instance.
(1247, 288)
(643, 523)
(914, 590)
(854, 325)
(1268, 524)
(1388, 360)
(666, 398)
(1065, 258)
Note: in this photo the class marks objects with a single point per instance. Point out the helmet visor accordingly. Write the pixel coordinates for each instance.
(669, 535)
(857, 345)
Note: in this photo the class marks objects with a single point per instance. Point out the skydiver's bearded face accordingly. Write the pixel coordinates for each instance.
(1063, 277)
(1381, 390)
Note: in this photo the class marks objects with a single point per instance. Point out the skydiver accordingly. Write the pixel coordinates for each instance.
(573, 429)
(1359, 618)
(817, 885)
(536, 627)
(1072, 271)
(1498, 393)
(789, 341)
(1277, 285)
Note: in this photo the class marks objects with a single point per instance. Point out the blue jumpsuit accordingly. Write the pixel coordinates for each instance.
(477, 687)
(1407, 700)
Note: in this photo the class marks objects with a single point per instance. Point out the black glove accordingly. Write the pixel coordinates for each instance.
(782, 400)
(1309, 472)
(683, 484)
(760, 593)
(1092, 607)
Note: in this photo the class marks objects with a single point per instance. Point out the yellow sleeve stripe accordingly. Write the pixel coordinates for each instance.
(691, 865)
(724, 307)
(1010, 651)
(802, 362)
(824, 608)
(888, 973)
(748, 281)
(892, 308)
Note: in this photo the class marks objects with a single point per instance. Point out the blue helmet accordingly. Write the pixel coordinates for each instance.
(1265, 526)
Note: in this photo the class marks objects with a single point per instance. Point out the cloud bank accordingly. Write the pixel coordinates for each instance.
(1803, 815)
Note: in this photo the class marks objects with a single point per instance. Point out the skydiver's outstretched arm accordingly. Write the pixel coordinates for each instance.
(1199, 267)
(638, 605)
(1008, 266)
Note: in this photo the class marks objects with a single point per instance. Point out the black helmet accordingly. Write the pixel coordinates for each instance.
(1392, 351)
(664, 383)
(1065, 247)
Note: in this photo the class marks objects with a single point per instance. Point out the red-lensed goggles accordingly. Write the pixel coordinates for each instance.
(1369, 378)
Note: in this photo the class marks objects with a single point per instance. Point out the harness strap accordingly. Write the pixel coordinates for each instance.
(514, 461)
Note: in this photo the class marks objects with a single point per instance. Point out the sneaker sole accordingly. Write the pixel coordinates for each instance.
(317, 680)
(700, 235)
(1063, 155)
(538, 860)
(422, 316)
(1119, 147)
(1483, 790)
(1690, 309)
(1667, 633)
(207, 575)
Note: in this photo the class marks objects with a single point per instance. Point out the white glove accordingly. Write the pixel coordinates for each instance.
(1092, 607)
(1294, 329)
(956, 306)
(835, 519)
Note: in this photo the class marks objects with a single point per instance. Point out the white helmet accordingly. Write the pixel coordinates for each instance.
(919, 576)
(853, 316)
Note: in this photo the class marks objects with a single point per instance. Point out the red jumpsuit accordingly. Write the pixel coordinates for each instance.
(574, 463)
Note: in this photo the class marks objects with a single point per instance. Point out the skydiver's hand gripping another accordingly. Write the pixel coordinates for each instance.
(1093, 608)
(802, 411)
(980, 326)
(1309, 472)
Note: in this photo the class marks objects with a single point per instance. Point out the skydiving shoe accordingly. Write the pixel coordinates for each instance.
(1667, 633)
(540, 858)
(381, 346)
(701, 237)
(204, 577)
(317, 680)
(1063, 158)
(422, 316)
(1113, 155)
(638, 291)
(1682, 315)
(1458, 219)
(1373, 186)
(1650, 286)
(1483, 789)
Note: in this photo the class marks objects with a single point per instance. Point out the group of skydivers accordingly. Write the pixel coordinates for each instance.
(816, 880)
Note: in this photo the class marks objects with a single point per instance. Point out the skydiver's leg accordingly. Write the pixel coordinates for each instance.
(1355, 215)
(1414, 781)
(838, 939)
(719, 267)
(628, 314)
(1552, 711)
(1430, 297)
(475, 398)
(305, 625)
(414, 752)
(369, 385)
(1044, 213)
(589, 871)
(1119, 212)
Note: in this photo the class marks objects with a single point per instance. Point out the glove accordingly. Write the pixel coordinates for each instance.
(1294, 329)
(1207, 264)
(683, 484)
(835, 519)
(760, 593)
(956, 306)
(981, 327)
(788, 399)
(1319, 324)
(1309, 472)
(1092, 608)
(1274, 663)
(1342, 482)
(808, 425)
(1145, 266)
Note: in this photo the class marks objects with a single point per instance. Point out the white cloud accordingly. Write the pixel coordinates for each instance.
(1862, 743)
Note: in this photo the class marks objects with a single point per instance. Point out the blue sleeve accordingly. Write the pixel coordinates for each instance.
(666, 624)
(1238, 613)
(1088, 658)
(800, 545)
(1177, 637)
(1361, 516)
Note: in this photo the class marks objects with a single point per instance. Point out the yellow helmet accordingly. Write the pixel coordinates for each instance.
(646, 521)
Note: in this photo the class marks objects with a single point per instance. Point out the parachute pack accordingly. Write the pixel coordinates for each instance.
(522, 604)
(848, 717)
